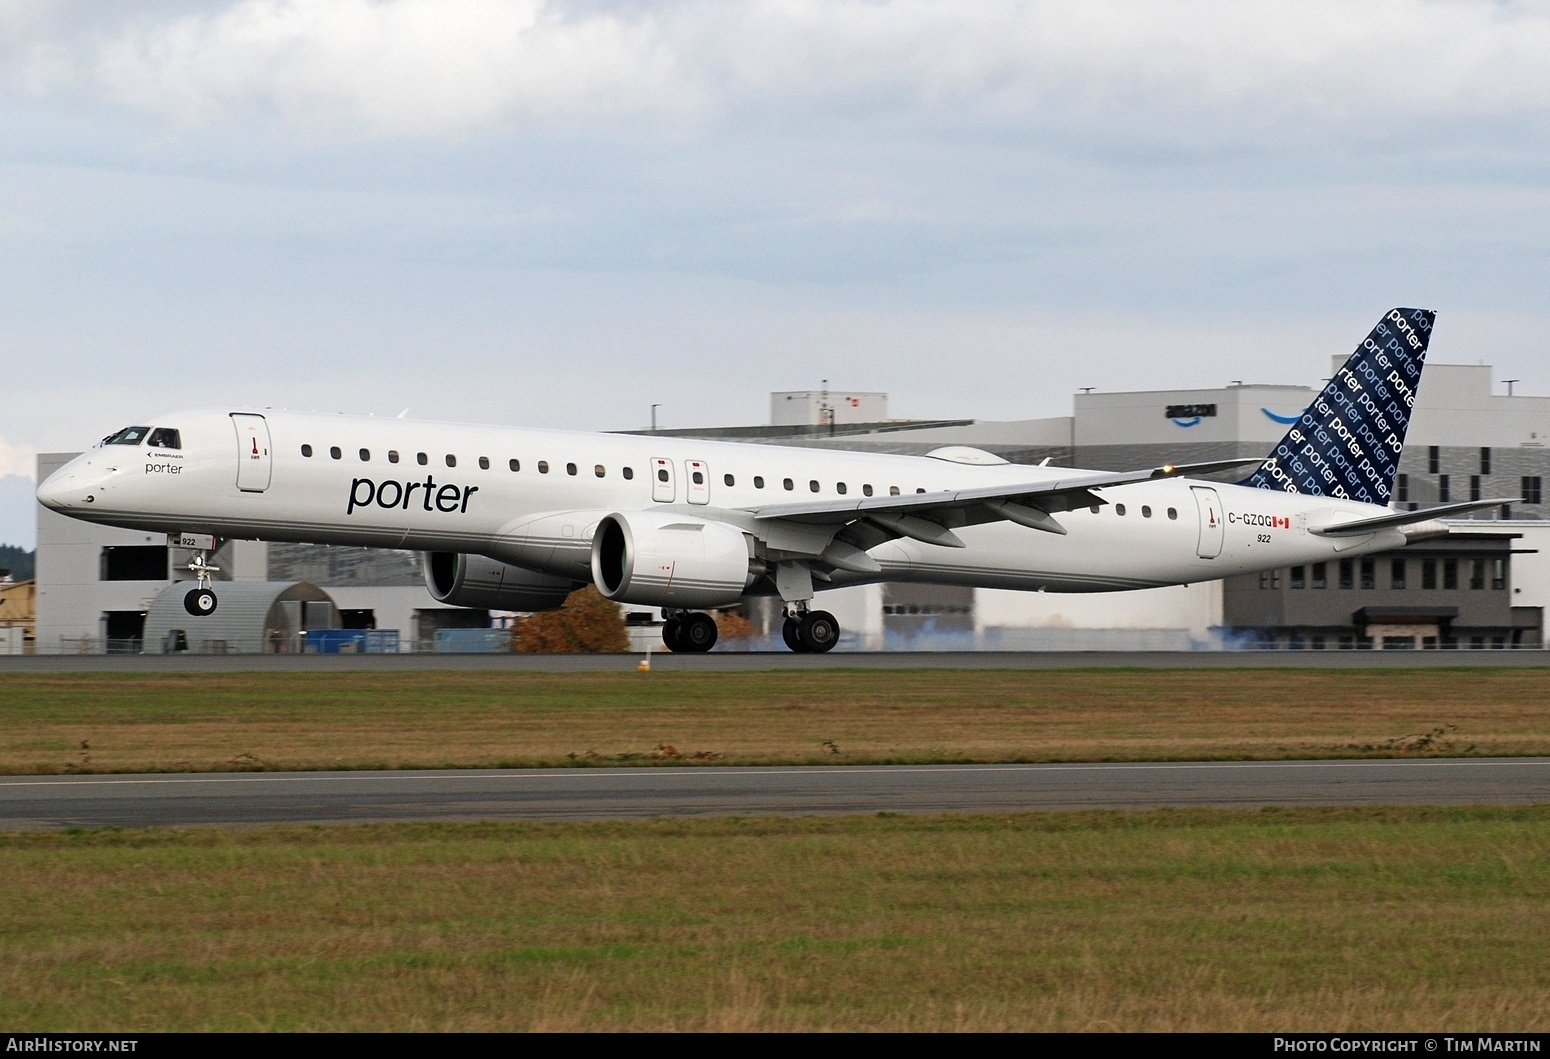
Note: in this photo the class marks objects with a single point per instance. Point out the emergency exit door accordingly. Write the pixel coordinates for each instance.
(698, 486)
(662, 488)
(1210, 507)
(253, 460)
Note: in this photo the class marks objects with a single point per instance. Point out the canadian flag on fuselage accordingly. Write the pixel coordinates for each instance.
(1347, 442)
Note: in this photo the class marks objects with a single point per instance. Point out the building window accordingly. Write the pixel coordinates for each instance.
(484, 463)
(1397, 573)
(1476, 574)
(365, 455)
(135, 563)
(1530, 490)
(336, 452)
(1346, 580)
(392, 455)
(1369, 573)
(515, 465)
(1299, 577)
(1320, 575)
(1498, 574)
(1433, 459)
(1474, 487)
(1402, 488)
(1264, 579)
(1442, 488)
(628, 472)
(1428, 573)
(306, 450)
(1485, 459)
(1450, 573)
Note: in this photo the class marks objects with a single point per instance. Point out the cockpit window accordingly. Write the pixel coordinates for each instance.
(164, 438)
(127, 436)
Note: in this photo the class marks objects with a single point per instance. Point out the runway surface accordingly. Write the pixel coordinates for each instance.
(28, 802)
(775, 661)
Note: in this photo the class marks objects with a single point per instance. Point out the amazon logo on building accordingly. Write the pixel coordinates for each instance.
(1189, 415)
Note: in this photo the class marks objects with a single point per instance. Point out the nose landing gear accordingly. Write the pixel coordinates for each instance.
(689, 632)
(200, 600)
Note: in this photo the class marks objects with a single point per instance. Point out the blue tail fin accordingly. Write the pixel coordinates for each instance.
(1347, 442)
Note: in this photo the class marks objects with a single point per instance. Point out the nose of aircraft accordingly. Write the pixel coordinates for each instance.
(64, 489)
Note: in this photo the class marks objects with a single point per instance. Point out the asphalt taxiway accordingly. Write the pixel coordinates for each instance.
(29, 802)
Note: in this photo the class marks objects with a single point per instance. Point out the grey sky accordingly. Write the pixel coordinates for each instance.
(559, 213)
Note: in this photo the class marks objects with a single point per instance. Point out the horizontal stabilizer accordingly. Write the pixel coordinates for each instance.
(1405, 518)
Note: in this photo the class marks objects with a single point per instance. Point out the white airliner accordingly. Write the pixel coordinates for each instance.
(515, 519)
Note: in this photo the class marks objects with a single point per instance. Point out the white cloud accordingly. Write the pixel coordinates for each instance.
(19, 460)
(418, 68)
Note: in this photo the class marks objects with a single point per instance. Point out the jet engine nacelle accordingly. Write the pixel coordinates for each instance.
(664, 559)
(475, 581)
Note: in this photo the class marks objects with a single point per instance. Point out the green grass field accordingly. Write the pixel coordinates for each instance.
(93, 723)
(1309, 919)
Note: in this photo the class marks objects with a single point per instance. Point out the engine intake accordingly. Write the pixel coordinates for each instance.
(475, 581)
(664, 559)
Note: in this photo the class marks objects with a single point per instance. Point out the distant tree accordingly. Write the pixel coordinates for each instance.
(17, 560)
(586, 623)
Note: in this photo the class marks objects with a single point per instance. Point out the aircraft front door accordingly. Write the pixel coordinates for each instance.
(662, 488)
(253, 460)
(699, 481)
(1210, 507)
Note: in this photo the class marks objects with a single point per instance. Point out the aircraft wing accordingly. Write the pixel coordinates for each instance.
(1405, 518)
(1026, 503)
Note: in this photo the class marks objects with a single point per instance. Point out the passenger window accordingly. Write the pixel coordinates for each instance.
(727, 478)
(813, 485)
(758, 482)
(515, 465)
(1119, 509)
(164, 438)
(392, 455)
(335, 453)
(1173, 512)
(1095, 508)
(920, 490)
(451, 460)
(628, 472)
(306, 450)
(421, 459)
(866, 490)
(365, 455)
(839, 487)
(598, 470)
(1146, 512)
(788, 484)
(893, 490)
(699, 478)
(484, 463)
(543, 466)
(570, 469)
(661, 474)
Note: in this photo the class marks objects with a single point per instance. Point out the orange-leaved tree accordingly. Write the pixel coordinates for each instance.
(585, 623)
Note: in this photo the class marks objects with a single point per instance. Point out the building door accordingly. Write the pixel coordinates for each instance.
(253, 462)
(662, 489)
(699, 481)
(1210, 508)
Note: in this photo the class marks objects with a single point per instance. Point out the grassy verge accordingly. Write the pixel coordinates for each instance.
(1307, 919)
(426, 720)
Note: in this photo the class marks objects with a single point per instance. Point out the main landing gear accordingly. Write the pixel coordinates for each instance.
(200, 600)
(689, 632)
(811, 632)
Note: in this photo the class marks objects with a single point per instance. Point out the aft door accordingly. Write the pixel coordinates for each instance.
(663, 491)
(699, 481)
(1210, 507)
(253, 461)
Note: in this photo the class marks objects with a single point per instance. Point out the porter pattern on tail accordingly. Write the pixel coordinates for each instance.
(1347, 442)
